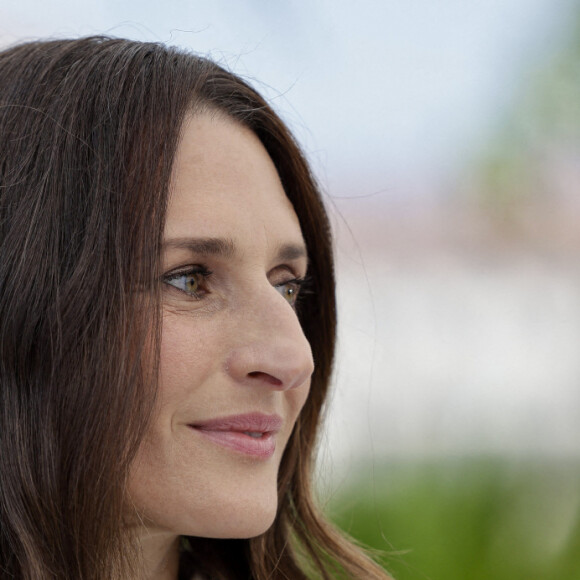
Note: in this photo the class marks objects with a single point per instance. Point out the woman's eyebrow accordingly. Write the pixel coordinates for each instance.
(222, 247)
(226, 248)
(290, 252)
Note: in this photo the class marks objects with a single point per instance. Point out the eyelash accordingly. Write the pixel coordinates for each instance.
(297, 286)
(200, 273)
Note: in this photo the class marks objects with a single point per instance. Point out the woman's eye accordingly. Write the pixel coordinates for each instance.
(191, 282)
(290, 290)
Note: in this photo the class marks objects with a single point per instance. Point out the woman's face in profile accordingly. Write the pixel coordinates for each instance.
(235, 365)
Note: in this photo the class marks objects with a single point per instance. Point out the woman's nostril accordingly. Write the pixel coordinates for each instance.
(265, 377)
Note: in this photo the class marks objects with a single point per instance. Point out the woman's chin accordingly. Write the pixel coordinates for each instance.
(242, 525)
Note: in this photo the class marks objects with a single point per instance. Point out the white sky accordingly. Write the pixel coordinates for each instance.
(375, 90)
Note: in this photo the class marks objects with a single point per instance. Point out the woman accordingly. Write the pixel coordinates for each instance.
(168, 323)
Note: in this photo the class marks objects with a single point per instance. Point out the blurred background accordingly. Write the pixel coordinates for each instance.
(446, 137)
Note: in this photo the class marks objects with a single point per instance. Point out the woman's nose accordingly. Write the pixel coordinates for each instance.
(270, 347)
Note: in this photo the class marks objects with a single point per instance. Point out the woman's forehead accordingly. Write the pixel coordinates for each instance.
(225, 186)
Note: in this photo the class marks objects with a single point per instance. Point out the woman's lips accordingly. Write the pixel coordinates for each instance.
(250, 434)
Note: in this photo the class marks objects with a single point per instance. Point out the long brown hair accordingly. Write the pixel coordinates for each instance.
(89, 130)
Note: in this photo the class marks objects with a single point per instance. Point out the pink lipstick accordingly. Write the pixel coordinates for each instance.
(250, 434)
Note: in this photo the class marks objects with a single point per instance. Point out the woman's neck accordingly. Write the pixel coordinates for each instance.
(160, 555)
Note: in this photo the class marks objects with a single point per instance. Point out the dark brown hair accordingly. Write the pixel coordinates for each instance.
(89, 130)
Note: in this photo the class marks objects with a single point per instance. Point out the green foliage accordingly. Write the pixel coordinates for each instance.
(541, 126)
(468, 519)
